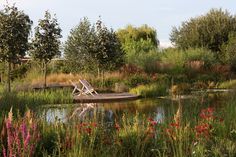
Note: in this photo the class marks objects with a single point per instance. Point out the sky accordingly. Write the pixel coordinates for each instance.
(162, 15)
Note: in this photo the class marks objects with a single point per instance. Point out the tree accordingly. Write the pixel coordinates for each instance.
(109, 54)
(138, 39)
(90, 47)
(228, 54)
(46, 42)
(208, 31)
(15, 28)
(80, 46)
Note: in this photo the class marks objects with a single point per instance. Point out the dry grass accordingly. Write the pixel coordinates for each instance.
(63, 79)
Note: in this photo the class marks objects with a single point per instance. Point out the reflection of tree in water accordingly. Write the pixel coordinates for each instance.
(158, 109)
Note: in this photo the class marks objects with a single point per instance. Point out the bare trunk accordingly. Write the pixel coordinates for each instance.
(98, 72)
(102, 78)
(45, 75)
(9, 77)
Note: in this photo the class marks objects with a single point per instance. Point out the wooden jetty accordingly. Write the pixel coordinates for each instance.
(106, 97)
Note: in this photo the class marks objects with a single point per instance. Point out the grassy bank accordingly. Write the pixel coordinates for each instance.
(32, 99)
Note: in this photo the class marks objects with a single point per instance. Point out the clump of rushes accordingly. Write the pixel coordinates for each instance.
(19, 138)
(151, 90)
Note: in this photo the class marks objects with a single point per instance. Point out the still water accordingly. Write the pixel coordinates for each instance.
(159, 109)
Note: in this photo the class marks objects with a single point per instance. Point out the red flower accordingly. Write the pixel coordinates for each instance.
(175, 125)
(117, 126)
(150, 119)
(207, 113)
(88, 130)
(94, 124)
(203, 130)
(152, 122)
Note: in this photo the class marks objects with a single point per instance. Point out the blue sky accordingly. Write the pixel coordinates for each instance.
(159, 14)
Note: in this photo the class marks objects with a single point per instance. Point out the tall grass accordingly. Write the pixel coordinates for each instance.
(151, 90)
(32, 99)
(211, 133)
(228, 84)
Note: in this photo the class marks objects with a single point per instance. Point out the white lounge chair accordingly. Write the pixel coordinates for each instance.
(87, 88)
(76, 90)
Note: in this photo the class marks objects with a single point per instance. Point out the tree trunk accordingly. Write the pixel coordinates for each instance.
(98, 72)
(45, 75)
(9, 77)
(103, 78)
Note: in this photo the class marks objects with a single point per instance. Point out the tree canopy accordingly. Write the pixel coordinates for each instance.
(46, 43)
(209, 31)
(90, 46)
(137, 42)
(15, 28)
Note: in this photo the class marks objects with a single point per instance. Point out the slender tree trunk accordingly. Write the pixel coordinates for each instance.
(9, 77)
(98, 72)
(102, 78)
(45, 75)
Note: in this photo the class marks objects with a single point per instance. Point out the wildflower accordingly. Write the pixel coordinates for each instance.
(170, 133)
(94, 124)
(88, 130)
(175, 125)
(117, 126)
(207, 113)
(203, 130)
(152, 122)
(21, 136)
(150, 119)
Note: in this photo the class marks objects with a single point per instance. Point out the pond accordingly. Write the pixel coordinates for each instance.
(158, 109)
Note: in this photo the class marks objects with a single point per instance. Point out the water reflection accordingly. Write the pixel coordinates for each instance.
(106, 112)
(159, 110)
(160, 115)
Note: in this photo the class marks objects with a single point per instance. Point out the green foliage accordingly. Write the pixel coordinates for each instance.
(137, 42)
(209, 31)
(20, 71)
(229, 52)
(137, 34)
(46, 43)
(46, 40)
(109, 54)
(31, 99)
(15, 28)
(80, 46)
(136, 80)
(159, 88)
(176, 60)
(228, 84)
(89, 47)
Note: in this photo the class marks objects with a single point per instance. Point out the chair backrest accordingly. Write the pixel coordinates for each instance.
(86, 84)
(73, 83)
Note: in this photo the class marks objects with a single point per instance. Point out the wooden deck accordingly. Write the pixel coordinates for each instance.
(108, 97)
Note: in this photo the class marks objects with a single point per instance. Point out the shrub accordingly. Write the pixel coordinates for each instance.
(151, 90)
(136, 80)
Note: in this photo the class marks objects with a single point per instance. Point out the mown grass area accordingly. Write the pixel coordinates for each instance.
(211, 133)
